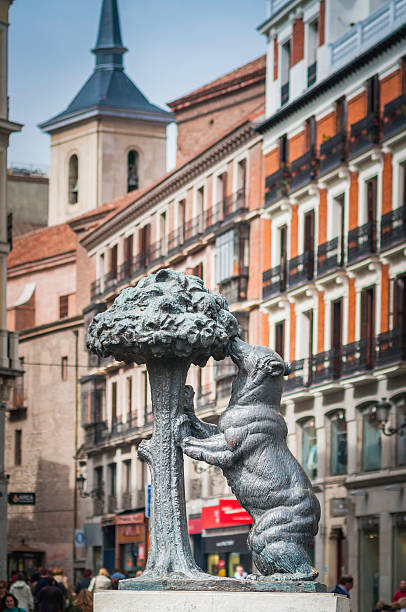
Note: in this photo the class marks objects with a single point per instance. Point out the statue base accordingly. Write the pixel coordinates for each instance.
(218, 601)
(213, 583)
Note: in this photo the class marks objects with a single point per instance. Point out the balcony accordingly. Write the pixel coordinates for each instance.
(301, 269)
(111, 504)
(391, 347)
(394, 117)
(235, 289)
(235, 204)
(358, 357)
(98, 505)
(110, 279)
(393, 227)
(277, 185)
(175, 240)
(125, 271)
(364, 135)
(367, 33)
(96, 433)
(274, 281)
(139, 263)
(193, 229)
(361, 241)
(333, 152)
(213, 216)
(126, 500)
(303, 170)
(285, 94)
(155, 252)
(312, 74)
(95, 289)
(9, 360)
(329, 256)
(326, 366)
(300, 376)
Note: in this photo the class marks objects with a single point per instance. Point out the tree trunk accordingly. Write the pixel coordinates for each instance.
(169, 548)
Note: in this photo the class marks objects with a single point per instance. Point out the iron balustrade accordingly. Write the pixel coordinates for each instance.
(364, 134)
(285, 93)
(125, 270)
(110, 279)
(213, 216)
(354, 357)
(391, 347)
(333, 152)
(274, 280)
(312, 74)
(393, 227)
(300, 376)
(394, 116)
(327, 365)
(301, 269)
(235, 289)
(303, 170)
(140, 262)
(361, 241)
(95, 289)
(277, 185)
(235, 204)
(329, 256)
(193, 229)
(155, 251)
(175, 240)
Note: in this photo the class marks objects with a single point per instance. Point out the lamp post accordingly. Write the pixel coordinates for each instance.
(382, 410)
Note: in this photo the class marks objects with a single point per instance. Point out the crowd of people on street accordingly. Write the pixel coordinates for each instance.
(48, 591)
(398, 602)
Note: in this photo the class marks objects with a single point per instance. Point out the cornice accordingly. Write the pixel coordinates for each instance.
(172, 183)
(41, 264)
(50, 328)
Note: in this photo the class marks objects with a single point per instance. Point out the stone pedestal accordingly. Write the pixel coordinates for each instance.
(202, 601)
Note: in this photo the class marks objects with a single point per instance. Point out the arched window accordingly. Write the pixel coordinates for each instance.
(73, 179)
(309, 447)
(338, 443)
(132, 170)
(371, 440)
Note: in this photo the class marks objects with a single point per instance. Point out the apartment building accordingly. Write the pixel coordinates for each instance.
(202, 218)
(9, 363)
(334, 285)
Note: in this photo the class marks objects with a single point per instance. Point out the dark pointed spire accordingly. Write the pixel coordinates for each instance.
(109, 48)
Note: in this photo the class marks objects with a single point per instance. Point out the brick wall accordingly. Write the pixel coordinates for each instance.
(297, 42)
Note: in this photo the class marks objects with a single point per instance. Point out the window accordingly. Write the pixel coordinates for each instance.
(182, 218)
(127, 476)
(200, 202)
(98, 478)
(371, 441)
(369, 566)
(313, 41)
(242, 178)
(280, 338)
(311, 134)
(373, 95)
(285, 70)
(283, 255)
(198, 270)
(128, 254)
(309, 448)
(341, 115)
(129, 384)
(114, 402)
(283, 150)
(64, 368)
(368, 326)
(400, 406)
(338, 443)
(113, 261)
(63, 306)
(222, 187)
(339, 226)
(162, 231)
(113, 479)
(225, 256)
(18, 438)
(132, 170)
(144, 243)
(73, 194)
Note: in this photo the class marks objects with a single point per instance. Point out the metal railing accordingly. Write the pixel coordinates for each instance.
(235, 289)
(364, 134)
(274, 280)
(301, 269)
(361, 241)
(303, 169)
(329, 256)
(333, 152)
(277, 185)
(394, 116)
(393, 227)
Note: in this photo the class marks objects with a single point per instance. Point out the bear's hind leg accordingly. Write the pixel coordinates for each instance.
(283, 560)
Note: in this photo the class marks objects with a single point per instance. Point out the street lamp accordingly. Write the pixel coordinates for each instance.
(80, 484)
(382, 410)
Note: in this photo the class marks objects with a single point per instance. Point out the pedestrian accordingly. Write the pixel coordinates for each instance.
(21, 590)
(84, 601)
(240, 572)
(344, 585)
(3, 589)
(381, 606)
(84, 581)
(101, 582)
(9, 602)
(42, 580)
(50, 597)
(62, 583)
(401, 592)
(117, 575)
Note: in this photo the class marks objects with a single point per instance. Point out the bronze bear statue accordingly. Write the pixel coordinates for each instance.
(249, 445)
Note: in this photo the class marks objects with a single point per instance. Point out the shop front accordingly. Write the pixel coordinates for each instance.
(222, 538)
(132, 542)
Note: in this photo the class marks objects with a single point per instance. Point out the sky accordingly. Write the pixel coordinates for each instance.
(174, 47)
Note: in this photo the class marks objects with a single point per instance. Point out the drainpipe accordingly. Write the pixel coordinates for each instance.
(75, 491)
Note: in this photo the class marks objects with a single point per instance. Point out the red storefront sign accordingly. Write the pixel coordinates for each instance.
(129, 519)
(227, 514)
(195, 525)
(232, 513)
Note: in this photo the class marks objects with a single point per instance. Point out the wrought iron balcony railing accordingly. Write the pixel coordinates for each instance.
(327, 365)
(330, 256)
(285, 93)
(213, 216)
(277, 185)
(394, 117)
(333, 152)
(393, 227)
(274, 280)
(193, 229)
(312, 74)
(303, 170)
(391, 347)
(235, 289)
(301, 269)
(364, 134)
(175, 240)
(110, 279)
(95, 289)
(361, 241)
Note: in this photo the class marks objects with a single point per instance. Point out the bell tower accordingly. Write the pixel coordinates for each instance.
(110, 139)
